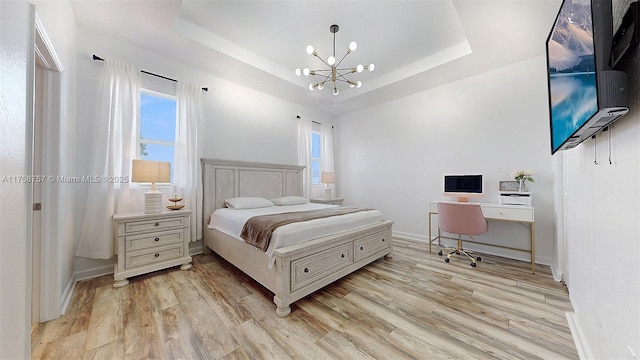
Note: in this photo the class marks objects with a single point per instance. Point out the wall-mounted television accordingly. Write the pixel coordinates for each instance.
(463, 186)
(585, 95)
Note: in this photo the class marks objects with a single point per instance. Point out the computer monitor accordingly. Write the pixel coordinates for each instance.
(463, 186)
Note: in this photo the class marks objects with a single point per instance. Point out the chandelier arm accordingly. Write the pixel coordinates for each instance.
(345, 55)
(321, 59)
(342, 75)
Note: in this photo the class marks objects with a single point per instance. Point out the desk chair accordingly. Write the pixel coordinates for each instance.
(461, 219)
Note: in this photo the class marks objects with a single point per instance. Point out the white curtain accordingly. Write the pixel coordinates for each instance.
(326, 159)
(304, 154)
(113, 148)
(185, 173)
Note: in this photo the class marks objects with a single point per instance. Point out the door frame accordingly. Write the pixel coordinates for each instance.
(46, 283)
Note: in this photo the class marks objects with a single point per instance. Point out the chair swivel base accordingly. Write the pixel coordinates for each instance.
(461, 252)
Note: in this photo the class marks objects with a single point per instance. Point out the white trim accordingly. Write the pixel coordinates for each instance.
(49, 292)
(50, 52)
(94, 272)
(578, 336)
(67, 293)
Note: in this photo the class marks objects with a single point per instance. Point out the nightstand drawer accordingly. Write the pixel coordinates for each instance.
(313, 267)
(153, 224)
(136, 242)
(140, 257)
(371, 244)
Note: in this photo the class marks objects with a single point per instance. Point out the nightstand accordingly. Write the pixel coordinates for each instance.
(150, 242)
(334, 201)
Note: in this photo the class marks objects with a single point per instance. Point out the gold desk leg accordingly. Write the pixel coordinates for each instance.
(429, 235)
(533, 251)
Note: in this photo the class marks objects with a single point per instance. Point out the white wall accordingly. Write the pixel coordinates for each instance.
(602, 215)
(238, 123)
(393, 156)
(16, 54)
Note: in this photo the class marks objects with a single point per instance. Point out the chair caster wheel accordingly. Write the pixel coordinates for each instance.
(478, 258)
(440, 252)
(446, 260)
(473, 264)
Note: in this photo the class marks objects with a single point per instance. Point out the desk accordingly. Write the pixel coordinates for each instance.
(495, 211)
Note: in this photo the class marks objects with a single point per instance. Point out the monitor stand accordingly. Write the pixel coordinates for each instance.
(463, 199)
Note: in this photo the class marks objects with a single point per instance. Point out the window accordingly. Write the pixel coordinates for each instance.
(315, 155)
(157, 137)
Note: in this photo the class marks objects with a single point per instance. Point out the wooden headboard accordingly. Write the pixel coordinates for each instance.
(224, 179)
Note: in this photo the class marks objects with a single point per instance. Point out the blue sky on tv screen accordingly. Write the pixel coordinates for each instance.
(572, 76)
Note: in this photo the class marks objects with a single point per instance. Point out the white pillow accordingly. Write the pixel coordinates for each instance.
(247, 202)
(290, 200)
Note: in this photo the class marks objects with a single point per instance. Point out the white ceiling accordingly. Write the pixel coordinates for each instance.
(415, 45)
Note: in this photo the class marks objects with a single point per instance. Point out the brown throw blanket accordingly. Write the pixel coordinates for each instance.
(258, 229)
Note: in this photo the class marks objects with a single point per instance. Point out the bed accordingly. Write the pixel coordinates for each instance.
(293, 270)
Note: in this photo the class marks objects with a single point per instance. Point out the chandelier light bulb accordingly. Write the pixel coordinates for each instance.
(336, 91)
(331, 60)
(352, 84)
(359, 68)
(298, 72)
(309, 49)
(372, 67)
(353, 45)
(311, 87)
(359, 84)
(320, 86)
(306, 71)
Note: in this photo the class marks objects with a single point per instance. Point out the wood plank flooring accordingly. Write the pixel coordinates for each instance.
(413, 305)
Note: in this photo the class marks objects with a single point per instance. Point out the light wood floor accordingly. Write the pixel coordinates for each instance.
(413, 305)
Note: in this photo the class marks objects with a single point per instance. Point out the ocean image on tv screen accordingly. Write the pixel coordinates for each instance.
(572, 75)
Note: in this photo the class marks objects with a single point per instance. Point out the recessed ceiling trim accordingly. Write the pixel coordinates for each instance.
(207, 38)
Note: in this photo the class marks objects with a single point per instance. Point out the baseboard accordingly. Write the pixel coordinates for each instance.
(409, 236)
(557, 275)
(195, 248)
(94, 272)
(67, 293)
(578, 336)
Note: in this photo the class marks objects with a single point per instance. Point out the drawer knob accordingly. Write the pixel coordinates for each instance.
(361, 247)
(343, 255)
(156, 255)
(157, 224)
(383, 240)
(306, 270)
(157, 239)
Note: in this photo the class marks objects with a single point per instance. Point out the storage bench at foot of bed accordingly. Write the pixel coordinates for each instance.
(306, 267)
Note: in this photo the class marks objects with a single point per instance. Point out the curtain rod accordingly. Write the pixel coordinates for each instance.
(97, 58)
(313, 121)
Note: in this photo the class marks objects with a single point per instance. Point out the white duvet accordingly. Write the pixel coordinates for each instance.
(231, 222)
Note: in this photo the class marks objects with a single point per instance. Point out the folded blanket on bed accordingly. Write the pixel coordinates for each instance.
(258, 229)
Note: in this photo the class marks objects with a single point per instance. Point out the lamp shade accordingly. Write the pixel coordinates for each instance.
(151, 171)
(328, 177)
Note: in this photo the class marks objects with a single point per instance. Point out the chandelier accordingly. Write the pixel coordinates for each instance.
(334, 73)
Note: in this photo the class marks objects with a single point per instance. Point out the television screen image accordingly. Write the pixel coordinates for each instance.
(585, 94)
(572, 71)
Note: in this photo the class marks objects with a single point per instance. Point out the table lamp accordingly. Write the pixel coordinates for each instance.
(327, 178)
(145, 171)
